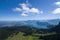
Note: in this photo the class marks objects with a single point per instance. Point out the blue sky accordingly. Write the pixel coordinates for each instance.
(29, 9)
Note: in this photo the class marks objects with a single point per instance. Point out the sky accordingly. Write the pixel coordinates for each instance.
(11, 10)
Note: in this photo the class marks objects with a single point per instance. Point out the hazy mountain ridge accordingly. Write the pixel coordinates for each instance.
(54, 21)
(34, 23)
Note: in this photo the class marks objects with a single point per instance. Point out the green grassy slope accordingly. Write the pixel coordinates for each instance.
(20, 36)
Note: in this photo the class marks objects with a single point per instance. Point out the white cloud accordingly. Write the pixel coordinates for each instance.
(34, 10)
(56, 11)
(23, 14)
(25, 8)
(57, 3)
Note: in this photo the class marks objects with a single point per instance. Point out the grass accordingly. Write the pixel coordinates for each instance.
(20, 36)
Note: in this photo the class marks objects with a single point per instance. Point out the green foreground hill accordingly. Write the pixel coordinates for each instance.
(34, 36)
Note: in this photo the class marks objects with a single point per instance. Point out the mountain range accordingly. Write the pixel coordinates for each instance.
(33, 23)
